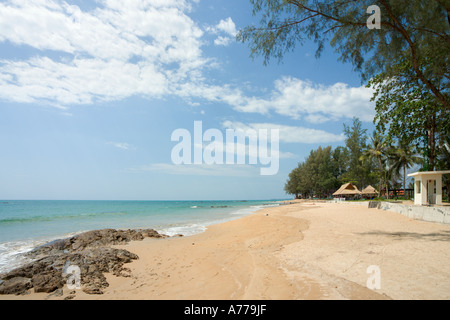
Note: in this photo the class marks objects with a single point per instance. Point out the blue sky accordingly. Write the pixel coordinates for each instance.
(91, 91)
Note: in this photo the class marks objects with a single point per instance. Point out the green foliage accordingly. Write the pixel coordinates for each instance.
(325, 169)
(377, 152)
(358, 169)
(444, 162)
(418, 31)
(316, 176)
(407, 62)
(403, 157)
(407, 111)
(359, 162)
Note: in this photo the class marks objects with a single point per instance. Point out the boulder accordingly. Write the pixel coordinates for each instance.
(90, 251)
(48, 281)
(17, 286)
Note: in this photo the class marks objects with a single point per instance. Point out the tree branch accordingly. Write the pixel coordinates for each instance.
(445, 37)
(285, 25)
(413, 49)
(301, 6)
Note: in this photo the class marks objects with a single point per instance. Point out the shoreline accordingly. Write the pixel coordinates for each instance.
(12, 251)
(305, 250)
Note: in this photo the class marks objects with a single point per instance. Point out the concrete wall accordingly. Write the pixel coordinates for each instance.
(432, 214)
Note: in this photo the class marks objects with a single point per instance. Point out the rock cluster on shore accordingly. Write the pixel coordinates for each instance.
(90, 251)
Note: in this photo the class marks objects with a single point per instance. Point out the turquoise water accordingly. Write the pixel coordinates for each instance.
(27, 224)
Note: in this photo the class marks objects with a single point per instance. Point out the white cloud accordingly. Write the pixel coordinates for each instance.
(150, 48)
(121, 145)
(293, 98)
(226, 27)
(296, 98)
(120, 49)
(289, 134)
(82, 81)
(223, 41)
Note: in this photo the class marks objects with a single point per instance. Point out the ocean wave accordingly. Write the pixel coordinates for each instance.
(23, 220)
(253, 209)
(13, 220)
(12, 254)
(185, 230)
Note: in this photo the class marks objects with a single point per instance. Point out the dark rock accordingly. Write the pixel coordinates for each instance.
(47, 274)
(90, 251)
(56, 293)
(17, 285)
(47, 281)
(59, 244)
(95, 238)
(70, 296)
(92, 290)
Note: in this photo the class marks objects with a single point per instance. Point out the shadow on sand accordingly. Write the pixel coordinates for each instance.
(443, 235)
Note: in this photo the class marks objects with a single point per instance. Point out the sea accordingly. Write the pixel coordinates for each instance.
(25, 225)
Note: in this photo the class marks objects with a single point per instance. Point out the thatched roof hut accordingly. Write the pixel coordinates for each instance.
(347, 189)
(370, 191)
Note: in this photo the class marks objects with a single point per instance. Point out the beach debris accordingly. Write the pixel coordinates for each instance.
(90, 251)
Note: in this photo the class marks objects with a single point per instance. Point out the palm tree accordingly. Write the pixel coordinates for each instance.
(403, 156)
(377, 151)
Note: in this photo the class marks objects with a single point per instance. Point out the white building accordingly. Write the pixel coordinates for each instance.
(428, 187)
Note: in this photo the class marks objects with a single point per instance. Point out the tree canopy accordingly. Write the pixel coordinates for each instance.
(317, 176)
(418, 31)
(326, 169)
(408, 112)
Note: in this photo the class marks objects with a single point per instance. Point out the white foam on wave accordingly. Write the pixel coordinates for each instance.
(253, 209)
(189, 229)
(185, 230)
(246, 211)
(12, 254)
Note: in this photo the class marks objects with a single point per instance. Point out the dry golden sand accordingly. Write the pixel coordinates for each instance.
(298, 251)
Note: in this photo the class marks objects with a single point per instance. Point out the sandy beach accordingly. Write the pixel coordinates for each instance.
(303, 250)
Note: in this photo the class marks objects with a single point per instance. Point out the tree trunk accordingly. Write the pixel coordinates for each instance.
(432, 143)
(381, 177)
(404, 181)
(386, 180)
(387, 189)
